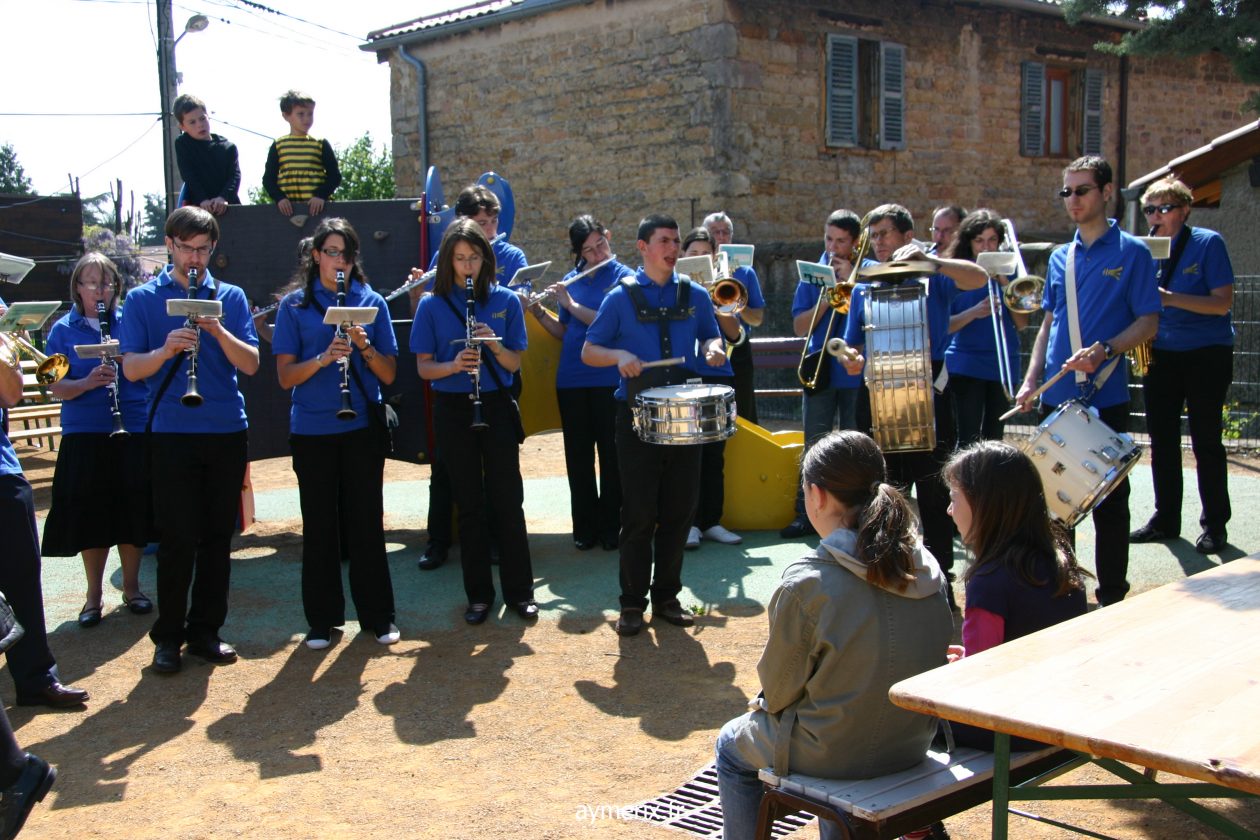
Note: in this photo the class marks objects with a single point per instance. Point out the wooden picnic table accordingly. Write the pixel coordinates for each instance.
(1168, 680)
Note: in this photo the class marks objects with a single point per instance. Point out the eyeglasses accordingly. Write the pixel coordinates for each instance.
(1080, 192)
(334, 253)
(1162, 209)
(94, 287)
(203, 251)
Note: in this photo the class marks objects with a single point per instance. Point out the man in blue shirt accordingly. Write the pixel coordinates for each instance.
(660, 483)
(890, 228)
(1118, 309)
(1191, 367)
(198, 452)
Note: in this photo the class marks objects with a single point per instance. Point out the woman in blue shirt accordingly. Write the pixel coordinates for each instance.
(483, 461)
(100, 495)
(584, 393)
(339, 463)
(972, 357)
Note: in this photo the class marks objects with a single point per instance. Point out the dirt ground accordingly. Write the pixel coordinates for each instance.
(503, 730)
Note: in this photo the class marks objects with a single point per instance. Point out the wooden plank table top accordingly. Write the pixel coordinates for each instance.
(1169, 679)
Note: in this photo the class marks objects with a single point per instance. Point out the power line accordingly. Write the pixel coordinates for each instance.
(261, 7)
(83, 114)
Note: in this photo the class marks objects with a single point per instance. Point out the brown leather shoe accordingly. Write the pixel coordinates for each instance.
(674, 614)
(55, 696)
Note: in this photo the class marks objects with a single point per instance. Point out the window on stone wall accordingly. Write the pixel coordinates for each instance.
(1060, 111)
(865, 90)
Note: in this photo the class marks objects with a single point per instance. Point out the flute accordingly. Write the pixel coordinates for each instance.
(539, 297)
(411, 284)
(115, 411)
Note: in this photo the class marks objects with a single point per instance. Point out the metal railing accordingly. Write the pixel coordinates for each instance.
(779, 392)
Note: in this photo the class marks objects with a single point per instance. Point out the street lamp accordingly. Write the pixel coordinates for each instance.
(168, 82)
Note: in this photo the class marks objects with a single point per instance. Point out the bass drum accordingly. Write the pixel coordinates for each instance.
(685, 414)
(1080, 459)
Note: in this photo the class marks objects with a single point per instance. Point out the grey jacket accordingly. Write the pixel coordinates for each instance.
(836, 645)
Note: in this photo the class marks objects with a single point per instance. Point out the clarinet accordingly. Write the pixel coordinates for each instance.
(470, 343)
(191, 397)
(115, 411)
(346, 412)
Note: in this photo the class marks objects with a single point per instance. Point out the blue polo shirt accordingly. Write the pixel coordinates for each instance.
(90, 411)
(590, 291)
(941, 293)
(756, 300)
(301, 332)
(145, 326)
(436, 328)
(8, 458)
(617, 325)
(1204, 266)
(973, 349)
(508, 259)
(1115, 285)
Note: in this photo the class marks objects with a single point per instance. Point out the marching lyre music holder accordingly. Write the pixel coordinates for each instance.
(355, 316)
(104, 350)
(193, 308)
(28, 315)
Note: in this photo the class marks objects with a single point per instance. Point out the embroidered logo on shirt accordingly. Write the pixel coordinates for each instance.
(502, 313)
(1114, 273)
(1193, 268)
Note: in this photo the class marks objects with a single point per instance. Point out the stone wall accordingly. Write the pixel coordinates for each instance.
(623, 107)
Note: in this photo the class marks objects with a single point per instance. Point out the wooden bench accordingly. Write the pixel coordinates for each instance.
(886, 807)
(39, 412)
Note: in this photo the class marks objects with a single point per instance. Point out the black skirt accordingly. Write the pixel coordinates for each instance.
(100, 495)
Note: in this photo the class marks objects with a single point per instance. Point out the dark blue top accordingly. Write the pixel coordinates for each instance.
(973, 349)
(301, 332)
(1204, 266)
(1024, 608)
(1115, 285)
(590, 292)
(145, 326)
(617, 325)
(940, 297)
(90, 411)
(440, 333)
(8, 458)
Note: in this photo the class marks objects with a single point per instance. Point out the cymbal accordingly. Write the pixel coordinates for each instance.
(897, 270)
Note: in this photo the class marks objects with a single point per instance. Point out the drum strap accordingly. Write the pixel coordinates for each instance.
(662, 315)
(1074, 328)
(1169, 266)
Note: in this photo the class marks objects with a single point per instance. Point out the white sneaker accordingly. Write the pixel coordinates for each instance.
(387, 635)
(693, 539)
(318, 639)
(719, 534)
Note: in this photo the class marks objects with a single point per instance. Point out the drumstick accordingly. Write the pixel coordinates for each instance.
(676, 360)
(1016, 410)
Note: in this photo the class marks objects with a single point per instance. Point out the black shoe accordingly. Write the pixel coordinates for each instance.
(477, 613)
(434, 556)
(583, 545)
(213, 651)
(54, 696)
(527, 610)
(1209, 543)
(1150, 532)
(17, 800)
(797, 528)
(674, 614)
(166, 658)
(630, 622)
(609, 543)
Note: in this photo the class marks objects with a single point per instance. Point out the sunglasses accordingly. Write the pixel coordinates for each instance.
(1162, 209)
(1080, 192)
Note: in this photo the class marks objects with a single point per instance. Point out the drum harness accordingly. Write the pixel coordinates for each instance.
(662, 315)
(1087, 388)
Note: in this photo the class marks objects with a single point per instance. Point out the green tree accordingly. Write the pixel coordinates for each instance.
(365, 174)
(153, 219)
(1185, 28)
(12, 176)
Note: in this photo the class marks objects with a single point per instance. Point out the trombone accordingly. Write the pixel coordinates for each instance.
(49, 369)
(838, 297)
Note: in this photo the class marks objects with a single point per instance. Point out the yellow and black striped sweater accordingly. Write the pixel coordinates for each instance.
(299, 167)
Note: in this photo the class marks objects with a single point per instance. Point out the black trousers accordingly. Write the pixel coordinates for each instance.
(922, 470)
(340, 480)
(1198, 381)
(1111, 522)
(745, 390)
(12, 757)
(587, 417)
(486, 465)
(659, 490)
(978, 403)
(31, 662)
(197, 482)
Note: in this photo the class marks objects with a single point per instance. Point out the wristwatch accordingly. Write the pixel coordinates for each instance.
(319, 359)
(1108, 351)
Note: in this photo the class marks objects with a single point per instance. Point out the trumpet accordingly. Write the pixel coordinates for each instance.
(838, 299)
(49, 369)
(539, 297)
(115, 410)
(192, 398)
(346, 412)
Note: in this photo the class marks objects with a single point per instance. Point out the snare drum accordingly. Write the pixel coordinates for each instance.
(1080, 459)
(685, 414)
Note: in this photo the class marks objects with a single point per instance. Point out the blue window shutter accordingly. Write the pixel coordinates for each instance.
(1032, 109)
(892, 96)
(1091, 139)
(842, 93)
